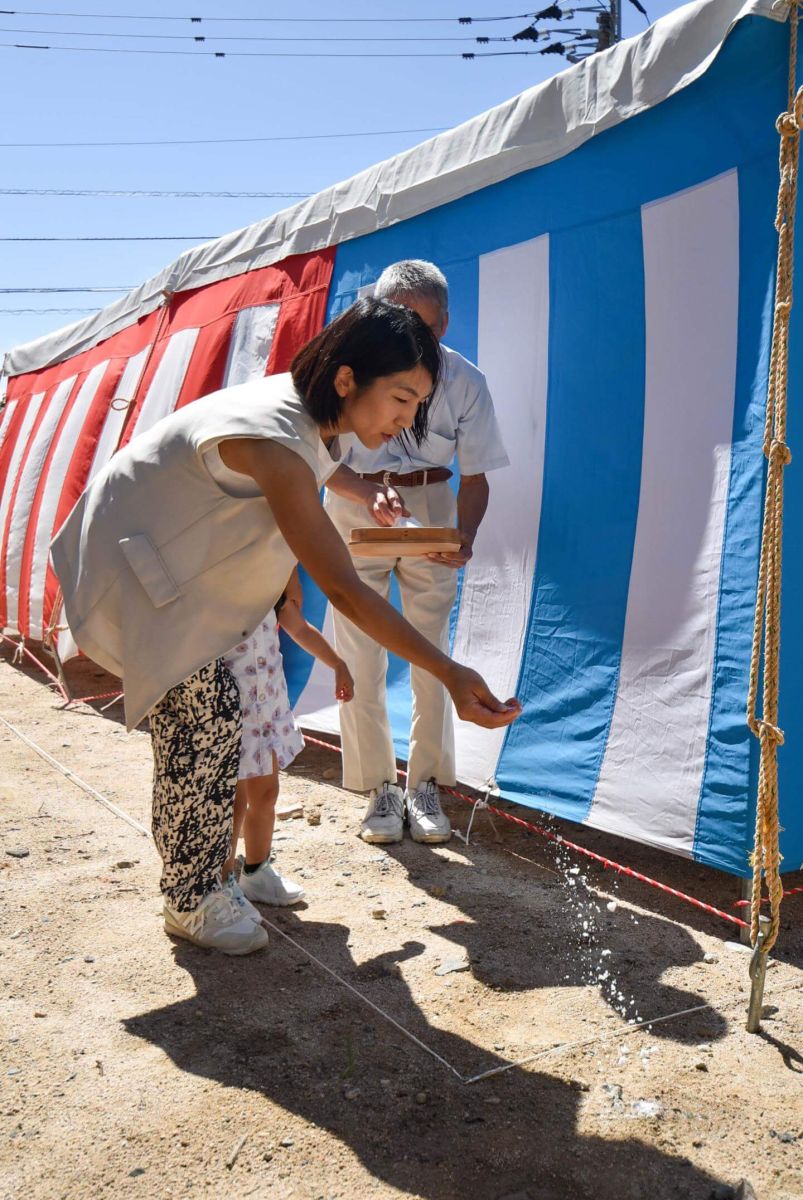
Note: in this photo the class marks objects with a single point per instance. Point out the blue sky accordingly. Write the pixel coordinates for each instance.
(62, 96)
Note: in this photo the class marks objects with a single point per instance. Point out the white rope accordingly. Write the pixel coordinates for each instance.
(464, 837)
(76, 779)
(365, 1000)
(715, 1005)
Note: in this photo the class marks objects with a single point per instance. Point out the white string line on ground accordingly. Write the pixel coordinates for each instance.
(76, 779)
(308, 954)
(639, 1027)
(562, 1048)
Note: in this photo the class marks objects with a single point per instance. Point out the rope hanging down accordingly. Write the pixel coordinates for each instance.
(766, 859)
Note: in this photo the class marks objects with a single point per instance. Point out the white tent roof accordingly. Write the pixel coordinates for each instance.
(535, 127)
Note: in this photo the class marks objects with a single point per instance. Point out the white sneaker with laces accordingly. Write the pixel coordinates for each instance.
(384, 820)
(428, 822)
(267, 886)
(218, 923)
(232, 888)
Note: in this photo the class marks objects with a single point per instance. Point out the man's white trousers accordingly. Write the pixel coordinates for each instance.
(427, 594)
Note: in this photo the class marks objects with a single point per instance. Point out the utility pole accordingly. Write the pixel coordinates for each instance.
(578, 42)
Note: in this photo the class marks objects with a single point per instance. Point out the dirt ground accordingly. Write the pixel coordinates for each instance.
(134, 1066)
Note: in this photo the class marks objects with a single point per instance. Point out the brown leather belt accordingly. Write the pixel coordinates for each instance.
(415, 479)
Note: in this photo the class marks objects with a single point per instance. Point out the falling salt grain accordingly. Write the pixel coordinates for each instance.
(611, 906)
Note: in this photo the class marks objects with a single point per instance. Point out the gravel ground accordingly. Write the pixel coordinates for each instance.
(137, 1066)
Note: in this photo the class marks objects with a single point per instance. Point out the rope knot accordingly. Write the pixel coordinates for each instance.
(779, 450)
(770, 733)
(783, 308)
(787, 124)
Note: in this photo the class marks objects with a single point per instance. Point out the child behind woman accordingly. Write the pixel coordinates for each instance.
(270, 738)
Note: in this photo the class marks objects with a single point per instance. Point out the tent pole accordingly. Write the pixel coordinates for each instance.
(758, 973)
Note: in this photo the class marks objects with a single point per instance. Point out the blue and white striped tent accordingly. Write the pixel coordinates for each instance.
(608, 238)
(618, 296)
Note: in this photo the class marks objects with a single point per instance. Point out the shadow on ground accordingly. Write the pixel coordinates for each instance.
(275, 1026)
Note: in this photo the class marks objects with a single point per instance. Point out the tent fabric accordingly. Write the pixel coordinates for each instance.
(619, 301)
(532, 129)
(608, 239)
(64, 422)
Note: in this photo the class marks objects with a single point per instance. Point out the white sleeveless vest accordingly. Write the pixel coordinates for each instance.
(161, 569)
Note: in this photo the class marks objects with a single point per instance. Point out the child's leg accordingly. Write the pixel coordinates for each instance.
(240, 808)
(261, 794)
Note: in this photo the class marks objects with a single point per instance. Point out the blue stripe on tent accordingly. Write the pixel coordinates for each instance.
(724, 831)
(592, 472)
(297, 663)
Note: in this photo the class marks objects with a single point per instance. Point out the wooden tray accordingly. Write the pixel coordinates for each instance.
(378, 542)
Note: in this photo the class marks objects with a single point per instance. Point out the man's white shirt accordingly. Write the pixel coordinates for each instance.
(462, 422)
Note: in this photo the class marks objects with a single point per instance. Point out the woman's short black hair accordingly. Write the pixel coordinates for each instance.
(374, 338)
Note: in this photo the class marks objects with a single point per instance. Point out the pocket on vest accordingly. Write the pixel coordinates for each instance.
(147, 564)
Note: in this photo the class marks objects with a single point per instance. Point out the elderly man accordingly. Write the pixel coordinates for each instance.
(380, 486)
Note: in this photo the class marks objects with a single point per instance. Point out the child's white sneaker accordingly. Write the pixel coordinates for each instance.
(232, 888)
(384, 820)
(218, 923)
(267, 886)
(428, 822)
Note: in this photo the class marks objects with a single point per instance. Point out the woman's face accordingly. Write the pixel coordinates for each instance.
(384, 408)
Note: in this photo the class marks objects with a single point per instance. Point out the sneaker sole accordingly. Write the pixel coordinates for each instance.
(178, 932)
(381, 839)
(431, 839)
(279, 903)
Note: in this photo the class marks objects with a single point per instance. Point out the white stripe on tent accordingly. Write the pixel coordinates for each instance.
(57, 473)
(250, 343)
(167, 380)
(18, 525)
(513, 336)
(316, 703)
(31, 413)
(651, 773)
(117, 412)
(5, 420)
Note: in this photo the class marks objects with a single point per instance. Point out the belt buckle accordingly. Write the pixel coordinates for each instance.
(386, 478)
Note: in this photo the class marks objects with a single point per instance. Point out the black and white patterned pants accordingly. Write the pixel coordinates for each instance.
(195, 731)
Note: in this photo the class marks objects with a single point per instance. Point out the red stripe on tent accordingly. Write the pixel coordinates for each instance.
(74, 483)
(208, 363)
(5, 533)
(29, 540)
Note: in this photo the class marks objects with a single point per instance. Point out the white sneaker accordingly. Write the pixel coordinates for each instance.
(217, 923)
(428, 822)
(233, 889)
(384, 820)
(267, 886)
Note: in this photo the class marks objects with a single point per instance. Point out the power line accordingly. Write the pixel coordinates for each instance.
(7, 12)
(180, 195)
(276, 53)
(159, 195)
(16, 312)
(46, 290)
(233, 37)
(291, 137)
(158, 238)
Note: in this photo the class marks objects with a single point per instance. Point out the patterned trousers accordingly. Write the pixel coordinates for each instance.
(195, 731)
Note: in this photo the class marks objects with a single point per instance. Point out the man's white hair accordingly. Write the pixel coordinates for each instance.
(411, 278)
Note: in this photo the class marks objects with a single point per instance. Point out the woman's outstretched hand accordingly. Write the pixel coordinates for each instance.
(475, 702)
